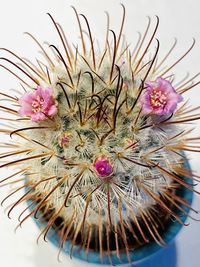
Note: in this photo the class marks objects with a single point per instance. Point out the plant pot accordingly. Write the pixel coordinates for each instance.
(137, 256)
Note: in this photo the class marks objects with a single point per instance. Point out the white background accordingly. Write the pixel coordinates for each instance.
(179, 19)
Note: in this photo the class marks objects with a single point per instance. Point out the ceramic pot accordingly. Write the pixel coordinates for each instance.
(138, 256)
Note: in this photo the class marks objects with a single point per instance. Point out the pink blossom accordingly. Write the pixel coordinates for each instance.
(64, 139)
(159, 97)
(103, 167)
(39, 105)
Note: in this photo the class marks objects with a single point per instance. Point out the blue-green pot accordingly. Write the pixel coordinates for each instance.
(137, 255)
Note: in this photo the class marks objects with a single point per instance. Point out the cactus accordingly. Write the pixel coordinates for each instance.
(98, 137)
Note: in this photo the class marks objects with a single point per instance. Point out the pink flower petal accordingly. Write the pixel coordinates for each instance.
(39, 116)
(27, 98)
(52, 111)
(26, 110)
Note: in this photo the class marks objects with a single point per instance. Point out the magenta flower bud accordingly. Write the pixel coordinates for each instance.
(64, 139)
(159, 97)
(38, 104)
(103, 167)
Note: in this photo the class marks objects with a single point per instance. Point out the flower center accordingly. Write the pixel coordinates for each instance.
(37, 104)
(158, 99)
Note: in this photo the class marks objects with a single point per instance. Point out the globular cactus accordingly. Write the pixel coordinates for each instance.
(99, 138)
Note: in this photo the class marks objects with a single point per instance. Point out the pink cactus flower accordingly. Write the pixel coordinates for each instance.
(64, 139)
(103, 167)
(39, 105)
(159, 97)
